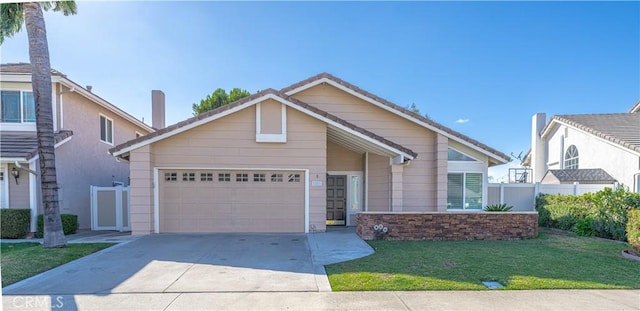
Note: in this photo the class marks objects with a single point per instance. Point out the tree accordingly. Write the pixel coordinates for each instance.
(12, 15)
(219, 98)
(415, 109)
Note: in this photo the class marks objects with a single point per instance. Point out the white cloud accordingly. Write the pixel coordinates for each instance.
(462, 121)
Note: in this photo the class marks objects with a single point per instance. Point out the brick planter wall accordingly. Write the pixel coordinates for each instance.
(450, 226)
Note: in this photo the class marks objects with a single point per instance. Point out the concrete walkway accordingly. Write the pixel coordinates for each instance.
(85, 236)
(524, 300)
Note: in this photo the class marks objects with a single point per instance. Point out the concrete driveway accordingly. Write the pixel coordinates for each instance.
(180, 263)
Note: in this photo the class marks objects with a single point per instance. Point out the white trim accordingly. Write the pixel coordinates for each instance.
(61, 107)
(12, 160)
(485, 187)
(271, 138)
(4, 168)
(118, 208)
(113, 127)
(54, 109)
(366, 181)
(255, 101)
(33, 196)
(549, 129)
(396, 112)
(21, 126)
(349, 203)
(156, 203)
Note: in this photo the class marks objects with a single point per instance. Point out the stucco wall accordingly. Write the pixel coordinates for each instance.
(84, 160)
(594, 153)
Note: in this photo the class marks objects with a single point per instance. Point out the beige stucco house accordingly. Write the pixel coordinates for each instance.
(313, 154)
(86, 126)
(586, 148)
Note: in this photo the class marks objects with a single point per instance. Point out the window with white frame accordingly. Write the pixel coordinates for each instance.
(17, 107)
(464, 191)
(571, 158)
(455, 155)
(106, 130)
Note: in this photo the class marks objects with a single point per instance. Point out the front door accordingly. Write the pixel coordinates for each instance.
(336, 199)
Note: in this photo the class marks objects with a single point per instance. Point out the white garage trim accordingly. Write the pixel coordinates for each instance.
(156, 194)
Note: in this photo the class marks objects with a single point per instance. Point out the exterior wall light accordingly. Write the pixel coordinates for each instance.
(15, 173)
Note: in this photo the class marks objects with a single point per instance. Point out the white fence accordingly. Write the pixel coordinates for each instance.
(523, 196)
(110, 208)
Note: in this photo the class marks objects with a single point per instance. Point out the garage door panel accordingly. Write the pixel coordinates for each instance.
(231, 201)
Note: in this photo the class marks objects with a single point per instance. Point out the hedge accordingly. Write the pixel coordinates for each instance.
(14, 223)
(603, 214)
(69, 224)
(633, 229)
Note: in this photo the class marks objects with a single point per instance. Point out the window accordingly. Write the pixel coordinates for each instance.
(455, 155)
(170, 176)
(188, 176)
(206, 177)
(464, 191)
(17, 107)
(294, 177)
(259, 178)
(571, 158)
(106, 130)
(224, 177)
(242, 177)
(276, 177)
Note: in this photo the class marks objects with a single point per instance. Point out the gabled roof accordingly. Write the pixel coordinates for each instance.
(497, 156)
(620, 128)
(583, 176)
(24, 145)
(335, 124)
(21, 72)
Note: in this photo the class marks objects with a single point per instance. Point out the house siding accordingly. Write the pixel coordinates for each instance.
(340, 158)
(419, 189)
(229, 142)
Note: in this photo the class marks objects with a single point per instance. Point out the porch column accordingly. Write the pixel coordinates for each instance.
(441, 153)
(33, 195)
(396, 188)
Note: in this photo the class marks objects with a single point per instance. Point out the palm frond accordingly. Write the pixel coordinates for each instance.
(11, 19)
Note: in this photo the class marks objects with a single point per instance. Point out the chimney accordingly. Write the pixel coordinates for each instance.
(538, 147)
(89, 88)
(157, 109)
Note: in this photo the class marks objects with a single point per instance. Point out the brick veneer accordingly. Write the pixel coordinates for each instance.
(450, 226)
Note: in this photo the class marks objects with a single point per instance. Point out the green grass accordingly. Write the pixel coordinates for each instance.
(22, 260)
(555, 259)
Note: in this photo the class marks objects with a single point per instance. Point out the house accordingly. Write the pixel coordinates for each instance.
(313, 154)
(85, 127)
(586, 148)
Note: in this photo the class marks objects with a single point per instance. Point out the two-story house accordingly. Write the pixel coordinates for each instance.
(586, 148)
(85, 127)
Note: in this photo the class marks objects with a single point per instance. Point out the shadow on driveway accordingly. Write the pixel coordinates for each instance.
(168, 263)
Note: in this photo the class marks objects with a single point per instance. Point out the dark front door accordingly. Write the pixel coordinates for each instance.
(336, 199)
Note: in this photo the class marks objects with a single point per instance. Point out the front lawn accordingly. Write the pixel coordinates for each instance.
(22, 260)
(555, 259)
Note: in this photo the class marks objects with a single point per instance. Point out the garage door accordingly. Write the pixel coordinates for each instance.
(231, 201)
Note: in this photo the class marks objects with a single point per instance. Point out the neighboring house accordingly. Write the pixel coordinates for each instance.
(296, 160)
(586, 148)
(85, 127)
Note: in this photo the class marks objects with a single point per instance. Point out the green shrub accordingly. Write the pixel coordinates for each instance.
(603, 214)
(14, 223)
(497, 208)
(69, 224)
(583, 227)
(633, 229)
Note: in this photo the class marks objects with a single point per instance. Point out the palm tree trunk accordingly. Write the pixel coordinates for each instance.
(41, 82)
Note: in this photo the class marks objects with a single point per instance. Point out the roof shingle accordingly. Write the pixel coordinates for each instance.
(24, 145)
(584, 176)
(620, 128)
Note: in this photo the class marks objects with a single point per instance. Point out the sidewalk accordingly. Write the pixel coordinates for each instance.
(86, 236)
(431, 300)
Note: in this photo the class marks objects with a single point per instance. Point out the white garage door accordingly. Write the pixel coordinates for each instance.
(231, 201)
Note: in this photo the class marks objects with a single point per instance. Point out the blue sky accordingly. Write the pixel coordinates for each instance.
(487, 65)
